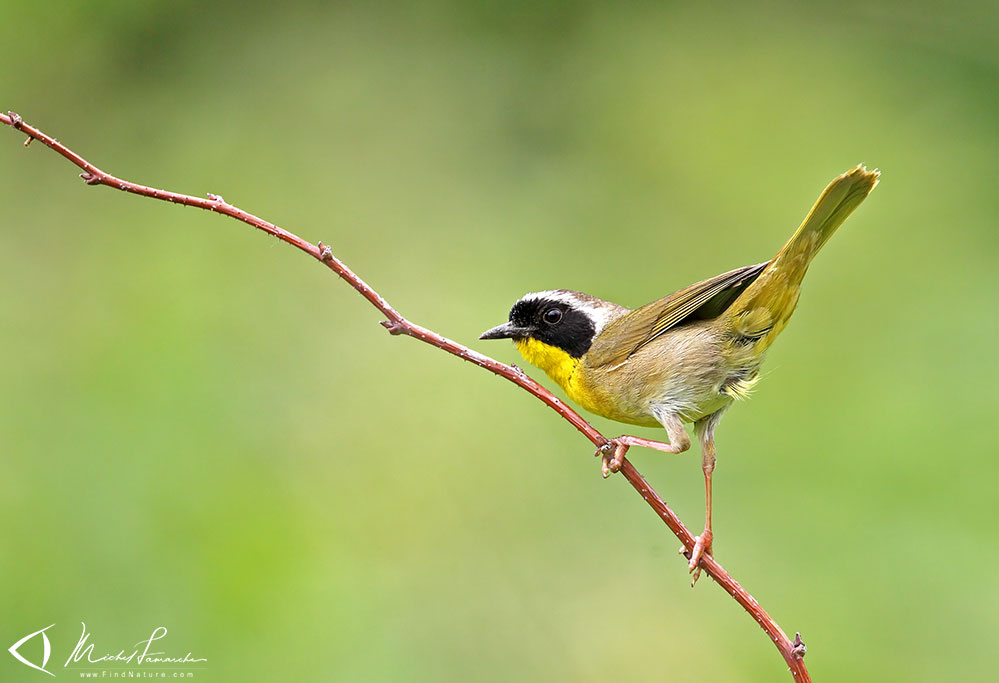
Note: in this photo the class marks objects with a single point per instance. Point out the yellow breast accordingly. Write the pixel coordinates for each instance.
(565, 371)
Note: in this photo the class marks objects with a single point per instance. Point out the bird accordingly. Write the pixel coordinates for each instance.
(684, 358)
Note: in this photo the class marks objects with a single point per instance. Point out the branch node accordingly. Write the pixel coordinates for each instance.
(326, 255)
(90, 178)
(393, 326)
(798, 648)
(216, 198)
(15, 120)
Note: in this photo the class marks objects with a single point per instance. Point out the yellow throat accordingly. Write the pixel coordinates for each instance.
(558, 364)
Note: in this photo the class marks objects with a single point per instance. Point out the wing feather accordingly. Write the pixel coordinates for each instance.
(701, 301)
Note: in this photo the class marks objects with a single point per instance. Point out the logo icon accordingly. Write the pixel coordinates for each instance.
(46, 652)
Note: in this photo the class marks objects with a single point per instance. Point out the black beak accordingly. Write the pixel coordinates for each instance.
(506, 331)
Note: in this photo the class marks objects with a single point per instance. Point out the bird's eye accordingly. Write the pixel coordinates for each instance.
(552, 316)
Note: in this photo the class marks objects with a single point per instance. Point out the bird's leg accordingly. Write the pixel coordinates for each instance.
(702, 544)
(612, 453)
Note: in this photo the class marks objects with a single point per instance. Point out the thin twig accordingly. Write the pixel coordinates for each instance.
(792, 651)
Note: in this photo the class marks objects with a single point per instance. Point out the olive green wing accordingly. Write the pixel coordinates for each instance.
(701, 301)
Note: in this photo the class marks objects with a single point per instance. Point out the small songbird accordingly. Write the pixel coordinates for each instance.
(683, 358)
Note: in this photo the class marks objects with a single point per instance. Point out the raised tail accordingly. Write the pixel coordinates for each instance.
(837, 202)
(762, 311)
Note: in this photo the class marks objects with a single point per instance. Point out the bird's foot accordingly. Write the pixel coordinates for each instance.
(612, 453)
(702, 547)
(611, 456)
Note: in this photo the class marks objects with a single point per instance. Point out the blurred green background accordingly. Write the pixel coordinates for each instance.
(203, 429)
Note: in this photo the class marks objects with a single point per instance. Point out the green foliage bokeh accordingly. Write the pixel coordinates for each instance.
(201, 428)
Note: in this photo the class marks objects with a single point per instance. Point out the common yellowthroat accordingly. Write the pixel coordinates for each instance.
(683, 358)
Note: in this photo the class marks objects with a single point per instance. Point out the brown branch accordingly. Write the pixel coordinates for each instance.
(792, 651)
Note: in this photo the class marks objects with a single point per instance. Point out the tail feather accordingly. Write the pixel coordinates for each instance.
(762, 311)
(837, 202)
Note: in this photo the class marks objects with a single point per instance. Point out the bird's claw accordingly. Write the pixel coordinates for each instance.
(702, 547)
(611, 456)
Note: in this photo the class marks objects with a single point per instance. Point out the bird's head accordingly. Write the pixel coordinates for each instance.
(554, 328)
